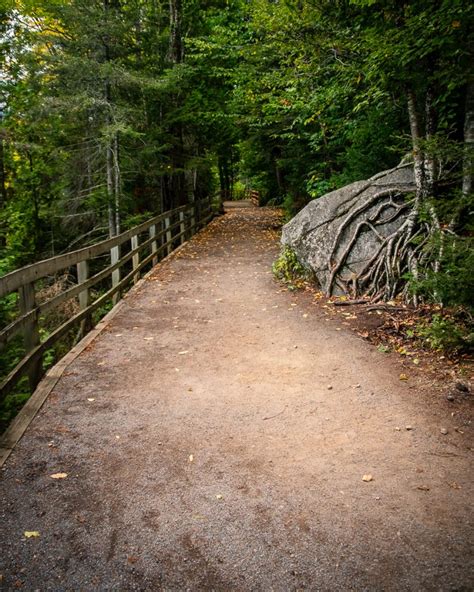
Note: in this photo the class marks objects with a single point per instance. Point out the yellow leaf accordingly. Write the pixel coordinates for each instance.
(59, 476)
(29, 534)
(367, 478)
(403, 377)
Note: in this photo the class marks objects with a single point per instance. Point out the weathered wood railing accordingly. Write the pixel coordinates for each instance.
(162, 233)
(253, 195)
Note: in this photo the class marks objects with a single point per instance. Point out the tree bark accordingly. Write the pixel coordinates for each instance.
(117, 182)
(468, 163)
(175, 183)
(112, 165)
(3, 177)
(415, 129)
(110, 190)
(175, 50)
(430, 128)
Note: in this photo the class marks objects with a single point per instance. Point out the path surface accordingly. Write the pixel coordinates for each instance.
(205, 451)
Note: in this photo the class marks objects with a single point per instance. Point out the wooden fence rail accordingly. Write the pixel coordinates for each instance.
(163, 234)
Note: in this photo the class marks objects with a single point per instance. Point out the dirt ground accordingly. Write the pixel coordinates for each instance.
(215, 437)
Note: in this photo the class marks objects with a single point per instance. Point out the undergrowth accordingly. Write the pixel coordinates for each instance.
(289, 270)
(447, 333)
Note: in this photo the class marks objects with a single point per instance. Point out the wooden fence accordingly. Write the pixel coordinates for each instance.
(145, 245)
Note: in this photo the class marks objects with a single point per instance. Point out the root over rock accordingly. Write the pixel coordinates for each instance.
(363, 238)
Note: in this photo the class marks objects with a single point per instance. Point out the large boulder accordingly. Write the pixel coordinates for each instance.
(340, 233)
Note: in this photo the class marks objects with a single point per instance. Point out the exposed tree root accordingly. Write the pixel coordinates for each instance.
(398, 253)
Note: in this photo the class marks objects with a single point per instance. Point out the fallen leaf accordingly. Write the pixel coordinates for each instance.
(219, 496)
(367, 478)
(423, 488)
(59, 476)
(148, 338)
(91, 400)
(183, 352)
(403, 377)
(30, 534)
(191, 458)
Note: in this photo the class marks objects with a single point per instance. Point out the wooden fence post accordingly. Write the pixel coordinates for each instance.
(135, 258)
(84, 296)
(192, 229)
(154, 244)
(114, 258)
(168, 236)
(198, 211)
(31, 336)
(182, 227)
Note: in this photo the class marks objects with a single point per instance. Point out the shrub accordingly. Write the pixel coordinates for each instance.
(453, 283)
(448, 334)
(289, 270)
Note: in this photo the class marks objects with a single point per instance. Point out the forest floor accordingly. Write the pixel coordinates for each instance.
(224, 433)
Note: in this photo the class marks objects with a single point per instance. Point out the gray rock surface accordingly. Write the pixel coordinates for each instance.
(314, 233)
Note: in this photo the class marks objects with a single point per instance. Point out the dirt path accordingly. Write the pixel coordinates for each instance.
(215, 437)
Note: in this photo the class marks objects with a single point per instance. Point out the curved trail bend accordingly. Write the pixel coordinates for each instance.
(204, 449)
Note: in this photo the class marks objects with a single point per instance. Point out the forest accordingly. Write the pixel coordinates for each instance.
(113, 111)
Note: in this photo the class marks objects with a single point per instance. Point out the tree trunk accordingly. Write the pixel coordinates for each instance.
(3, 178)
(430, 128)
(175, 50)
(112, 164)
(175, 180)
(110, 190)
(468, 163)
(415, 129)
(117, 183)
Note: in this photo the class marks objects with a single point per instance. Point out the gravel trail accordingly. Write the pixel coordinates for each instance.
(215, 437)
